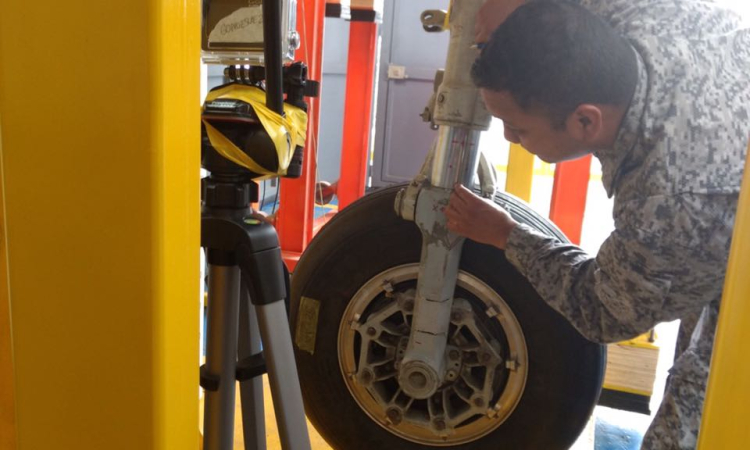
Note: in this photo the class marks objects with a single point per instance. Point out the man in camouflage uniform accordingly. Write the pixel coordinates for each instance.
(659, 92)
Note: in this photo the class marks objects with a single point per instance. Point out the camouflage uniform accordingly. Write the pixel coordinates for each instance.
(675, 172)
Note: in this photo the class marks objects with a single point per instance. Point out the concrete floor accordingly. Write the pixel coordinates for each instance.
(608, 429)
(272, 431)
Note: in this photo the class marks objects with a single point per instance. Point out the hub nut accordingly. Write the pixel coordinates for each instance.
(394, 416)
(418, 380)
(366, 377)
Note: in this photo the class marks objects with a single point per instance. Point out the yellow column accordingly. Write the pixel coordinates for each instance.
(725, 411)
(7, 403)
(520, 172)
(99, 111)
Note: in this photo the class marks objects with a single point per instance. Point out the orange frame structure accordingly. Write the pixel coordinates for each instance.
(295, 219)
(569, 196)
(295, 222)
(360, 78)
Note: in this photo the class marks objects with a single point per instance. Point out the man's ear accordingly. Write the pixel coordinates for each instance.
(585, 124)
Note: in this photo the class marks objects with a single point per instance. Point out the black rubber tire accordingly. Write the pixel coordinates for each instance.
(565, 370)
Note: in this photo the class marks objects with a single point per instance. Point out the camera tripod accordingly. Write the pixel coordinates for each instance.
(246, 292)
(247, 280)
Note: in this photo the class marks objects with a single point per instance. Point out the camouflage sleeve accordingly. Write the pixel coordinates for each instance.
(660, 17)
(666, 258)
(612, 10)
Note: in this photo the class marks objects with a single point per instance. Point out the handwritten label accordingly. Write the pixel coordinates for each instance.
(242, 26)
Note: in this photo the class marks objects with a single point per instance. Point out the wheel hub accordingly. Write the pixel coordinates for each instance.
(485, 360)
(418, 380)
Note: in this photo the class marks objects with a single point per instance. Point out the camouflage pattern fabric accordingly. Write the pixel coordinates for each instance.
(675, 174)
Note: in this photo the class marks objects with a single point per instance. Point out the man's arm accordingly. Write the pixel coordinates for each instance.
(669, 260)
(477, 218)
(666, 258)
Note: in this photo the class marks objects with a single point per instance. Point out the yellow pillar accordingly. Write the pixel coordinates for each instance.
(7, 403)
(725, 411)
(99, 112)
(520, 172)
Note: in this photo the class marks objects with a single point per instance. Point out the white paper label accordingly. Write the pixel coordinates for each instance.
(242, 26)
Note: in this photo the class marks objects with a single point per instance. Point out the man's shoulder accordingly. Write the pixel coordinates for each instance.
(687, 17)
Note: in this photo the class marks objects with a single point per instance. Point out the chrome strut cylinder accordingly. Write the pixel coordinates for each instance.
(461, 116)
(456, 157)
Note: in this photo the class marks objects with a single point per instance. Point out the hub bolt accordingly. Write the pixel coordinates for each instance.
(394, 415)
(366, 377)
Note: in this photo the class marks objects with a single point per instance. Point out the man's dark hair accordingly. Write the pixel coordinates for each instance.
(556, 55)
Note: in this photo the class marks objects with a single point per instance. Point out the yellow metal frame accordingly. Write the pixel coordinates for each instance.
(520, 172)
(725, 411)
(99, 103)
(7, 402)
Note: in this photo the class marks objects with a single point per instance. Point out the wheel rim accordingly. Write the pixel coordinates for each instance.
(487, 360)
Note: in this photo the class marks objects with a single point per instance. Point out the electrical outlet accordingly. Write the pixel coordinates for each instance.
(397, 72)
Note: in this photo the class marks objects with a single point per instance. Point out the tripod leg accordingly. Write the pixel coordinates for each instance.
(221, 355)
(282, 376)
(251, 391)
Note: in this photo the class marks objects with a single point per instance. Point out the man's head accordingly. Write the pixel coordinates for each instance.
(559, 77)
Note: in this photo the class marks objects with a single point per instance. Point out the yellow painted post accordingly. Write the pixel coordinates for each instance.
(7, 402)
(99, 111)
(520, 172)
(724, 423)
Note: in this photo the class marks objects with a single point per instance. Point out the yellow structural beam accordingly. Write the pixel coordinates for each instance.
(7, 403)
(99, 112)
(725, 411)
(520, 172)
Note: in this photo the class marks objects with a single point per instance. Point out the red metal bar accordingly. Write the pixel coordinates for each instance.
(295, 219)
(360, 77)
(569, 196)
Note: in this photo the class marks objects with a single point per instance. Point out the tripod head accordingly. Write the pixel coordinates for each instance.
(235, 115)
(249, 130)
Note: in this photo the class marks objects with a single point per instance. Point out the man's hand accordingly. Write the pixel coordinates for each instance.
(478, 219)
(492, 14)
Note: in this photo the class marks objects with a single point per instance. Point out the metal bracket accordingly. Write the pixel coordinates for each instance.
(434, 20)
(428, 115)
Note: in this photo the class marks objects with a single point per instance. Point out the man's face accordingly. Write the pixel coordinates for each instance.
(534, 131)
